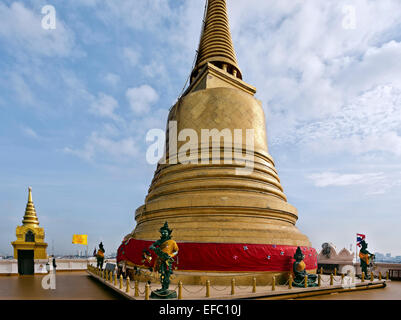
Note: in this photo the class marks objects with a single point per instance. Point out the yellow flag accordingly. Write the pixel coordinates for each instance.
(80, 239)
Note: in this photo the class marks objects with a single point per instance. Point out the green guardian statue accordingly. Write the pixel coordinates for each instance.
(166, 249)
(365, 256)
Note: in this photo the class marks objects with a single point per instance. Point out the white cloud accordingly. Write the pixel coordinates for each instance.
(112, 79)
(22, 90)
(141, 98)
(139, 15)
(370, 123)
(327, 179)
(21, 28)
(131, 56)
(155, 69)
(29, 132)
(97, 145)
(104, 106)
(375, 183)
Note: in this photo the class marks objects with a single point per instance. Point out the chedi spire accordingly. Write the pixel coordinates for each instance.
(216, 45)
(30, 217)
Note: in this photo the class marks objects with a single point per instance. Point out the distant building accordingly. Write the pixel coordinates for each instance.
(330, 258)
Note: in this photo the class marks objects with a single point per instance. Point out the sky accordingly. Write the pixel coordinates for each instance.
(77, 101)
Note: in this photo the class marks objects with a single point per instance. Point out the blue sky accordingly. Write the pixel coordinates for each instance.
(76, 103)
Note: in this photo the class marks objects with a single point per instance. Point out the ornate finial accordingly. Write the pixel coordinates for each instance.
(30, 217)
(216, 45)
(29, 194)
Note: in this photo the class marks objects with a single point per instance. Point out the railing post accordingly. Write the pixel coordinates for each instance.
(290, 282)
(115, 279)
(147, 291)
(180, 290)
(121, 281)
(321, 270)
(387, 275)
(254, 285)
(128, 285)
(305, 281)
(335, 271)
(136, 288)
(319, 280)
(380, 276)
(232, 286)
(274, 283)
(331, 279)
(207, 288)
(363, 277)
(372, 277)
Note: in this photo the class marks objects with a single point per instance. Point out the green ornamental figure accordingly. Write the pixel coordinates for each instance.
(166, 249)
(365, 257)
(299, 271)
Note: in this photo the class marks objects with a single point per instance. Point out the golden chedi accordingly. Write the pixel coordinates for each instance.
(224, 220)
(30, 248)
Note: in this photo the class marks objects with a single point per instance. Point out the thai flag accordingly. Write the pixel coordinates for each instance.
(359, 238)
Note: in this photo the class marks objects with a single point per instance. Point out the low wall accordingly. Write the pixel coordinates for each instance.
(342, 266)
(381, 267)
(10, 267)
(78, 264)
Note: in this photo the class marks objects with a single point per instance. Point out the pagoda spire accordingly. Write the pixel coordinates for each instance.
(216, 45)
(30, 217)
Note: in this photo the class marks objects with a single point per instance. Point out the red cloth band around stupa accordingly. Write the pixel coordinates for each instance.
(222, 256)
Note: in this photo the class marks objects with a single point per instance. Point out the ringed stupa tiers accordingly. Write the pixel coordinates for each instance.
(30, 248)
(223, 222)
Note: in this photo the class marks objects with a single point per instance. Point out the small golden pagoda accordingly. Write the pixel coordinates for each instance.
(223, 221)
(30, 237)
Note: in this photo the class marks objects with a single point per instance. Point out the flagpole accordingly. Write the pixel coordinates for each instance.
(356, 253)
